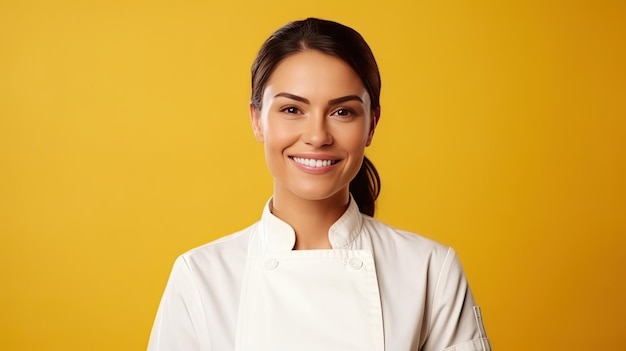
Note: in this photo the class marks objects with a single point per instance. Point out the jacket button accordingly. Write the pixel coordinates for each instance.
(271, 264)
(355, 263)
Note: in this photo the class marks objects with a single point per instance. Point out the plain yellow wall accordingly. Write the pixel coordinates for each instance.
(125, 141)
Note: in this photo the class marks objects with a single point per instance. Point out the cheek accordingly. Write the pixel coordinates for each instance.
(278, 135)
(353, 139)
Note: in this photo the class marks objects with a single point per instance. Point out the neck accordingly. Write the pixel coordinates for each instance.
(310, 219)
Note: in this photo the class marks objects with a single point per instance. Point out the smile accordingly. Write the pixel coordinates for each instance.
(314, 163)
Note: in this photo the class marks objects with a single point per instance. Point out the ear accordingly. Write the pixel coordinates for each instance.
(374, 123)
(255, 118)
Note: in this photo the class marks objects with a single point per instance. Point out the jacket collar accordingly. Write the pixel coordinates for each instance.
(276, 235)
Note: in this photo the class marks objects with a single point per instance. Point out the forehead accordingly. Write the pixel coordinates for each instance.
(312, 74)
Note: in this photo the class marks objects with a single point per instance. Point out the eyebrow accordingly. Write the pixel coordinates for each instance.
(330, 102)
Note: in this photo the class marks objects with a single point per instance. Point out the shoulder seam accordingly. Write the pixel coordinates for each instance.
(195, 284)
(449, 255)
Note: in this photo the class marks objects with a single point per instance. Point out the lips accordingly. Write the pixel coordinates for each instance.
(312, 162)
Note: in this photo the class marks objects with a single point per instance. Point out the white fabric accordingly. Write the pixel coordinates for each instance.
(378, 289)
(279, 309)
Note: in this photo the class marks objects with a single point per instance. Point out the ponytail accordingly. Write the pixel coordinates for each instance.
(365, 187)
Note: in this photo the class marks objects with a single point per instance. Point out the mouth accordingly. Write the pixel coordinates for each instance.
(314, 163)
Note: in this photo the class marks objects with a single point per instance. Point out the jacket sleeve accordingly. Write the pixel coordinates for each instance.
(180, 323)
(456, 323)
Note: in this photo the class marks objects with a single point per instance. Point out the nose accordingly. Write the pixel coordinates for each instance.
(316, 132)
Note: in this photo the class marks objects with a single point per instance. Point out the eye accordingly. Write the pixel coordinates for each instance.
(344, 113)
(292, 110)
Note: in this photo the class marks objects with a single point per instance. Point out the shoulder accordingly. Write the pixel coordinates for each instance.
(227, 250)
(412, 262)
(408, 254)
(385, 235)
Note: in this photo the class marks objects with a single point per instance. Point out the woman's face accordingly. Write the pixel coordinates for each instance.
(315, 123)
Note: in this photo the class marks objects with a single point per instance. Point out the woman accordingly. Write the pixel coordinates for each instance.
(317, 272)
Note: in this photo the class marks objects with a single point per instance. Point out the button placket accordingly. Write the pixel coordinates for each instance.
(271, 264)
(355, 263)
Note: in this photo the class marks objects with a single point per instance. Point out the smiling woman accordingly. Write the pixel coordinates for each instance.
(315, 122)
(317, 272)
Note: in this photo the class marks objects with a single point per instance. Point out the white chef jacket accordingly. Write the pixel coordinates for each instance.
(419, 300)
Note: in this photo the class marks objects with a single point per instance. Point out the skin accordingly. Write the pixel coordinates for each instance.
(314, 106)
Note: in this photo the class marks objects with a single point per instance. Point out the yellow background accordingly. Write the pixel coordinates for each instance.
(125, 141)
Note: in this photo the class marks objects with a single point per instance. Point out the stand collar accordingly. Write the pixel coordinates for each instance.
(276, 235)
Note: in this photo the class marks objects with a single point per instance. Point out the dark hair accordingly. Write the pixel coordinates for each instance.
(337, 40)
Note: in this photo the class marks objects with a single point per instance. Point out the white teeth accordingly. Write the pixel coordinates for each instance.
(313, 163)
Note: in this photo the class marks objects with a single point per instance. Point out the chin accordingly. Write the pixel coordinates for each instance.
(316, 193)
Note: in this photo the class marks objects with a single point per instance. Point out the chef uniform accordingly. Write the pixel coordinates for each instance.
(378, 289)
